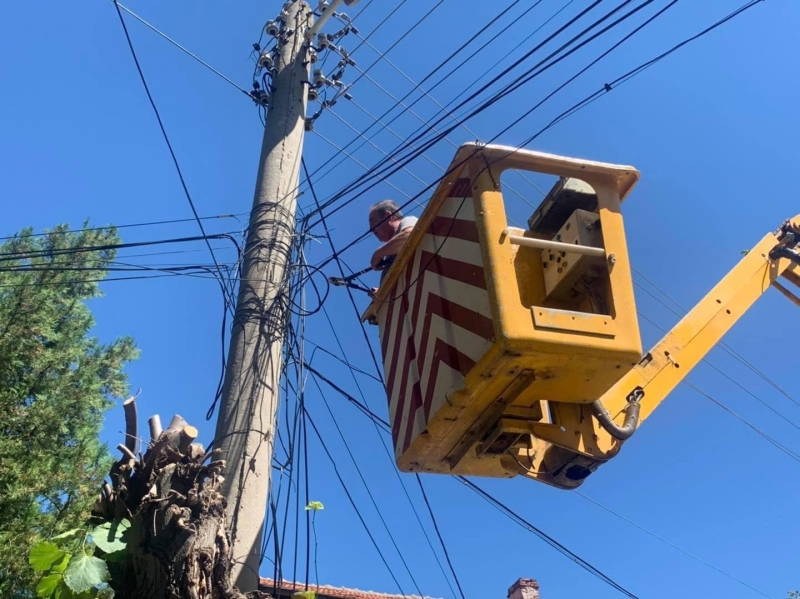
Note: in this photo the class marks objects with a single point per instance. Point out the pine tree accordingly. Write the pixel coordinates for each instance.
(56, 382)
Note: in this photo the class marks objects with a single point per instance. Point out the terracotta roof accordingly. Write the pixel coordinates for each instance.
(267, 584)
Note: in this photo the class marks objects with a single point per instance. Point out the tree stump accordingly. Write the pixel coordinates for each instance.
(177, 546)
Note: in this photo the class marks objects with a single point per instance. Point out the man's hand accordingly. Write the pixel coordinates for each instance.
(375, 261)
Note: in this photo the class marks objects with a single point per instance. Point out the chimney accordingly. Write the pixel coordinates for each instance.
(524, 588)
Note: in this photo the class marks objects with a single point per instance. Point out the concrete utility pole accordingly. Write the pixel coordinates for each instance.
(249, 403)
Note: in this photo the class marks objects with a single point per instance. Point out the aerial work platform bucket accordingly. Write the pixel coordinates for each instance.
(491, 334)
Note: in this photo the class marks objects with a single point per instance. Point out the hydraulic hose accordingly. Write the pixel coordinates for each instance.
(612, 428)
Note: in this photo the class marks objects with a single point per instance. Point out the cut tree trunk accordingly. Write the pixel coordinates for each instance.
(178, 545)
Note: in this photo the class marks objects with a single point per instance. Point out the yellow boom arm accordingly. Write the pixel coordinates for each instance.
(576, 443)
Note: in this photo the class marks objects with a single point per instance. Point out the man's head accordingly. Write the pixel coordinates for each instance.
(384, 219)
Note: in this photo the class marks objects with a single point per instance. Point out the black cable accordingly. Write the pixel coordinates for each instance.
(383, 169)
(545, 537)
(483, 29)
(352, 502)
(343, 361)
(166, 139)
(439, 534)
(126, 226)
(367, 488)
(579, 105)
(637, 70)
(362, 179)
(338, 261)
(47, 253)
(308, 495)
(177, 45)
(347, 396)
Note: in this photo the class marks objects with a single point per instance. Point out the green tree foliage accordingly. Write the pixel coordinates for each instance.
(56, 382)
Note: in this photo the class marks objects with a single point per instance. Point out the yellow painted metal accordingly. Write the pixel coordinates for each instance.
(527, 404)
(663, 367)
(682, 348)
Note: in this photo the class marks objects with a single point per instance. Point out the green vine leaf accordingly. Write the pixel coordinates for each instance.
(85, 571)
(64, 592)
(60, 565)
(315, 505)
(47, 585)
(43, 555)
(110, 536)
(66, 535)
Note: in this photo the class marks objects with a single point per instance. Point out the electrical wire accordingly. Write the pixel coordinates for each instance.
(580, 104)
(350, 498)
(510, 87)
(439, 534)
(482, 30)
(671, 544)
(182, 49)
(359, 181)
(367, 488)
(507, 511)
(339, 263)
(495, 502)
(166, 139)
(777, 444)
(381, 438)
(115, 227)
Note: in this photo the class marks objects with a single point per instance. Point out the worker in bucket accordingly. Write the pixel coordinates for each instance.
(388, 224)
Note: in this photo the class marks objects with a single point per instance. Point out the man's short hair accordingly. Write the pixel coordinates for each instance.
(386, 207)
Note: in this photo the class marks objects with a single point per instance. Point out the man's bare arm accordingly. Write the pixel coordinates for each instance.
(391, 247)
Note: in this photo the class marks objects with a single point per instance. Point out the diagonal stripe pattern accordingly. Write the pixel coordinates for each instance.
(436, 324)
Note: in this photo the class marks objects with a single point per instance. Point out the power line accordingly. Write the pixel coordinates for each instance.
(350, 498)
(573, 109)
(48, 253)
(385, 426)
(169, 145)
(359, 181)
(482, 30)
(381, 438)
(507, 511)
(366, 487)
(673, 545)
(607, 87)
(439, 534)
(182, 49)
(795, 456)
(126, 226)
(732, 380)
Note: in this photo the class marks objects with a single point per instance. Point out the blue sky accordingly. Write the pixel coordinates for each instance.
(713, 131)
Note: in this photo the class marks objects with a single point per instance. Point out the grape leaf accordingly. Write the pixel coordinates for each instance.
(85, 571)
(47, 585)
(110, 536)
(43, 555)
(66, 535)
(60, 565)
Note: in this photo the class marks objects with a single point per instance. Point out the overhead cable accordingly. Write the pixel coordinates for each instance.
(166, 139)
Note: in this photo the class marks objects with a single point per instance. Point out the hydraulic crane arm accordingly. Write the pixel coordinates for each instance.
(682, 348)
(577, 443)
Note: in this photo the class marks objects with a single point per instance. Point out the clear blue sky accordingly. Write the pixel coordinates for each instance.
(712, 129)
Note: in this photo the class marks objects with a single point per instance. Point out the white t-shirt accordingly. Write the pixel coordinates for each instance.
(406, 222)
